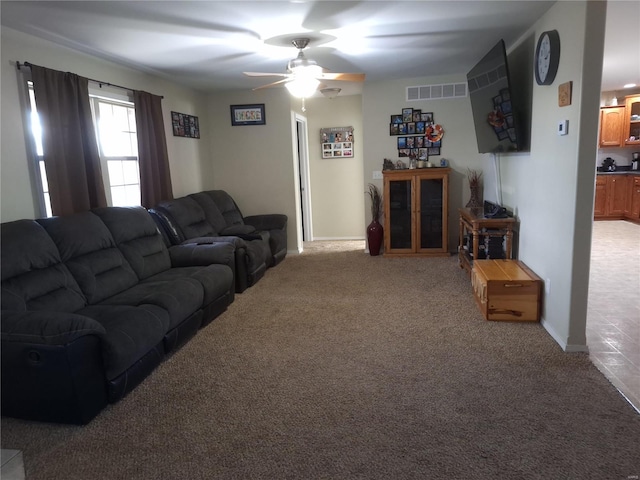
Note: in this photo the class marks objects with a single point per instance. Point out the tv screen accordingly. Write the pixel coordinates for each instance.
(491, 103)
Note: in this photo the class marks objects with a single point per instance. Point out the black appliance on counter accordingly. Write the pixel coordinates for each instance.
(608, 165)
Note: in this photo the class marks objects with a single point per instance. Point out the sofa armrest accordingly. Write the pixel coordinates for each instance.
(200, 254)
(273, 221)
(47, 328)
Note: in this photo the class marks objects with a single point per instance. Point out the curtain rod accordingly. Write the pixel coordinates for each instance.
(99, 82)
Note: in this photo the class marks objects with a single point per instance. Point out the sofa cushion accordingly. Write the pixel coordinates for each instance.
(131, 332)
(211, 211)
(215, 280)
(189, 217)
(33, 277)
(227, 207)
(138, 238)
(89, 251)
(179, 295)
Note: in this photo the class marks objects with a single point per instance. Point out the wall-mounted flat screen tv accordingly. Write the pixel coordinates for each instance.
(495, 120)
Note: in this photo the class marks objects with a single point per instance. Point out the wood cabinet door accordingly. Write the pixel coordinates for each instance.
(600, 206)
(635, 198)
(617, 193)
(632, 120)
(612, 126)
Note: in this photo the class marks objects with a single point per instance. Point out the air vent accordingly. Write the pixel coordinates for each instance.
(436, 92)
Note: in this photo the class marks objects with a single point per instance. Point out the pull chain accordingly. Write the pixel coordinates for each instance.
(304, 109)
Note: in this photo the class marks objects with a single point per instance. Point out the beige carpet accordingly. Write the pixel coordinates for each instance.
(339, 365)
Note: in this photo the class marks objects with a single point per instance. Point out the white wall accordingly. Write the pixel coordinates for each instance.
(255, 164)
(380, 100)
(186, 156)
(337, 196)
(551, 189)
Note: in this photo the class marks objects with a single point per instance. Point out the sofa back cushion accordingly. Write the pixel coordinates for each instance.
(211, 211)
(227, 207)
(138, 238)
(188, 216)
(33, 275)
(89, 251)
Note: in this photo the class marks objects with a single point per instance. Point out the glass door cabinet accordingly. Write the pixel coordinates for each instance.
(416, 212)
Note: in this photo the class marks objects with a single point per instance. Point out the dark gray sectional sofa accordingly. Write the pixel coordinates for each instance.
(93, 302)
(211, 217)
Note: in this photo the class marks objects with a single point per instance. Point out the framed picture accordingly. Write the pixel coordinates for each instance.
(396, 118)
(184, 125)
(420, 127)
(407, 115)
(411, 128)
(393, 128)
(402, 143)
(417, 115)
(426, 117)
(402, 128)
(434, 151)
(337, 142)
(248, 114)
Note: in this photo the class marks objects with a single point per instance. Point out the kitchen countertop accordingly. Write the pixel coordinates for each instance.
(620, 172)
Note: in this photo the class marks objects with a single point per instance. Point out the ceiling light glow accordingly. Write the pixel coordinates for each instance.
(629, 85)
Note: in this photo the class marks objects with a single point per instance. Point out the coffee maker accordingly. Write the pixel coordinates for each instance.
(635, 163)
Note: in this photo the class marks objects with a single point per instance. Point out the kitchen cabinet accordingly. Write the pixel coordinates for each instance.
(612, 126)
(416, 212)
(611, 196)
(632, 120)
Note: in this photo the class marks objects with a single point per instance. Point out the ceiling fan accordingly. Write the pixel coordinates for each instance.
(304, 75)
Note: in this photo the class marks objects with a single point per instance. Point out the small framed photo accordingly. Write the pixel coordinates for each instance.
(434, 151)
(426, 117)
(407, 115)
(402, 129)
(411, 128)
(404, 152)
(420, 127)
(417, 115)
(396, 118)
(248, 115)
(393, 129)
(423, 153)
(411, 142)
(402, 142)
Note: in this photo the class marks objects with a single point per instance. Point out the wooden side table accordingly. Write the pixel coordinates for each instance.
(472, 220)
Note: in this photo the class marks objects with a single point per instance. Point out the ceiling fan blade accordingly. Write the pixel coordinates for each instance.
(268, 85)
(264, 74)
(348, 77)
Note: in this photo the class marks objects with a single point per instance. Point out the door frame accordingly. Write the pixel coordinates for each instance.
(302, 139)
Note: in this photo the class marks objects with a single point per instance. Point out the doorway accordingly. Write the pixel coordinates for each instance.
(302, 151)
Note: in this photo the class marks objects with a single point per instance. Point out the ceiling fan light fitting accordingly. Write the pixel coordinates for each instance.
(302, 87)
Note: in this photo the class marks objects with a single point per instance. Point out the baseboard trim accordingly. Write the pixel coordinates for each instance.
(337, 238)
(569, 348)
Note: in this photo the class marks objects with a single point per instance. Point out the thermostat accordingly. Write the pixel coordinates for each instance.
(563, 127)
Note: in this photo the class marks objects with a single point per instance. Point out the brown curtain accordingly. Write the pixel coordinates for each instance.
(71, 157)
(153, 158)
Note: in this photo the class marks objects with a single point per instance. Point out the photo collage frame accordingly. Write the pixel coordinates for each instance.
(337, 142)
(184, 125)
(417, 133)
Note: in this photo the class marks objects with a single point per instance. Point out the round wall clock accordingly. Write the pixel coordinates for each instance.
(547, 57)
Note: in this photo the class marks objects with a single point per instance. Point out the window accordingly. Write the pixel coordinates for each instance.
(117, 145)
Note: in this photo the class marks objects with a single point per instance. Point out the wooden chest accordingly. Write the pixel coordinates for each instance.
(506, 290)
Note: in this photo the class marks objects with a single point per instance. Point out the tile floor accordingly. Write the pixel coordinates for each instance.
(613, 316)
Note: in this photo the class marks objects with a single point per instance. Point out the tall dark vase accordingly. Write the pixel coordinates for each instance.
(374, 237)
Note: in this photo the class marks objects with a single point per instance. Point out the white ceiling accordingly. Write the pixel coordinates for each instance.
(207, 45)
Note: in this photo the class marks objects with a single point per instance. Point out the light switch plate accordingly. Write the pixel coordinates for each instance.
(563, 127)
(377, 175)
